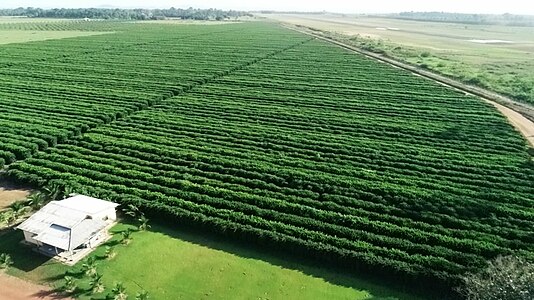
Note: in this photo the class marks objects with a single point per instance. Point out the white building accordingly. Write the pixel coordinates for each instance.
(70, 227)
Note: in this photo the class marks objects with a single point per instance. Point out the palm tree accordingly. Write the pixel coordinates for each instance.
(19, 209)
(36, 200)
(131, 210)
(5, 261)
(67, 191)
(70, 284)
(4, 218)
(96, 284)
(126, 236)
(119, 292)
(9, 217)
(52, 191)
(143, 223)
(142, 295)
(89, 266)
(110, 252)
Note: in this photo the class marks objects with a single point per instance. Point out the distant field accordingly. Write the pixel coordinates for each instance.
(186, 22)
(31, 20)
(504, 66)
(23, 36)
(268, 136)
(46, 25)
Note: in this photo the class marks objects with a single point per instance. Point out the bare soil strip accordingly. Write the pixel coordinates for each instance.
(10, 193)
(520, 115)
(524, 125)
(12, 288)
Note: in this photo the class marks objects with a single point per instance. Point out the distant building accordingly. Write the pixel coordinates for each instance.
(70, 228)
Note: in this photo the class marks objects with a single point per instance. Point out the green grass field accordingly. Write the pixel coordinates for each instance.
(174, 264)
(443, 47)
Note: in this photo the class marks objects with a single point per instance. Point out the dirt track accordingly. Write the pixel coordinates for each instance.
(523, 124)
(10, 193)
(12, 288)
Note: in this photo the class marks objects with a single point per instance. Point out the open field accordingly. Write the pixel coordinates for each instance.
(23, 36)
(4, 19)
(450, 49)
(10, 193)
(68, 25)
(268, 136)
(181, 265)
(186, 22)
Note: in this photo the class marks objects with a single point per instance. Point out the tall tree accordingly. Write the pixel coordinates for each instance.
(509, 277)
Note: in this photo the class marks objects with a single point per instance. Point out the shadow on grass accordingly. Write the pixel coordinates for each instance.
(49, 294)
(26, 260)
(379, 289)
(23, 257)
(56, 277)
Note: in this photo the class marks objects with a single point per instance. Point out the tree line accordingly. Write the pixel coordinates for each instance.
(125, 14)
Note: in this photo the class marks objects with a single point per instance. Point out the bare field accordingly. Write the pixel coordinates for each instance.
(7, 196)
(17, 289)
(439, 36)
(31, 20)
(10, 194)
(24, 36)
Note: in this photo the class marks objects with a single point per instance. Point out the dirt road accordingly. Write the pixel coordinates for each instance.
(10, 193)
(12, 288)
(522, 124)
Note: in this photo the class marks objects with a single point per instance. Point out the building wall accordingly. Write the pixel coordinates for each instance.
(109, 214)
(29, 239)
(95, 239)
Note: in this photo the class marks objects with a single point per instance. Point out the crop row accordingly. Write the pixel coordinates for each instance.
(77, 90)
(280, 141)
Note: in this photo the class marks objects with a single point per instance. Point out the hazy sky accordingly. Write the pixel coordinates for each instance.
(347, 6)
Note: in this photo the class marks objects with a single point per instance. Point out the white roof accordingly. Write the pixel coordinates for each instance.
(70, 238)
(68, 223)
(86, 204)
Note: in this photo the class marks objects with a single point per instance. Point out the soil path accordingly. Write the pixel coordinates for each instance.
(10, 193)
(518, 114)
(524, 125)
(12, 288)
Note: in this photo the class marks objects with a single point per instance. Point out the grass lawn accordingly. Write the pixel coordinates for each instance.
(23, 36)
(172, 264)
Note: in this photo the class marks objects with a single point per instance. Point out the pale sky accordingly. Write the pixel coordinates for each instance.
(344, 6)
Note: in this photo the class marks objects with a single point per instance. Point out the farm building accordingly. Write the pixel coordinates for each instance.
(69, 229)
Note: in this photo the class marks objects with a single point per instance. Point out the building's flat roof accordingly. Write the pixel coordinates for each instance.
(68, 239)
(67, 224)
(52, 213)
(86, 204)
